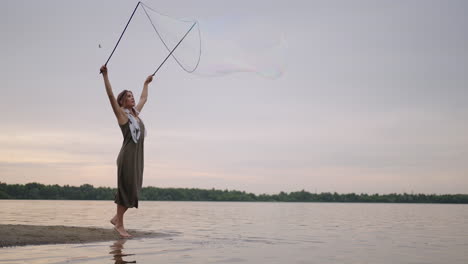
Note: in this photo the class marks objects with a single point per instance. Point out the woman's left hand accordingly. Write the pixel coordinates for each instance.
(149, 79)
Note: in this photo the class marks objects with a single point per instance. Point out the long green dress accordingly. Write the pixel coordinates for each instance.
(130, 164)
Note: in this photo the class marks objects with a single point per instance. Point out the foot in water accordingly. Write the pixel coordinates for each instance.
(122, 232)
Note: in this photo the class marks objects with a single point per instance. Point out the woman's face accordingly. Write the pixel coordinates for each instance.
(129, 101)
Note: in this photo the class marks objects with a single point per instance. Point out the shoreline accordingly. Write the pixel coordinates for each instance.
(26, 235)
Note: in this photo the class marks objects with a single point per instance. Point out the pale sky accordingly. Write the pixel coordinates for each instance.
(372, 96)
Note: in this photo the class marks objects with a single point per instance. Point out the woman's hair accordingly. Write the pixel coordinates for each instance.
(121, 97)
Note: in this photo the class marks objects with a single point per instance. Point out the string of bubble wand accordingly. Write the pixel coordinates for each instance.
(174, 48)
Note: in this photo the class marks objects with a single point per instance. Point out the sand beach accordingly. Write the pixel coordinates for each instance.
(22, 235)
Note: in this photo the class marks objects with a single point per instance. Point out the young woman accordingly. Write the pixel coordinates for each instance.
(130, 160)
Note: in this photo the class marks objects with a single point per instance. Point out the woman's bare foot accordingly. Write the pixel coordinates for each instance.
(121, 230)
(114, 220)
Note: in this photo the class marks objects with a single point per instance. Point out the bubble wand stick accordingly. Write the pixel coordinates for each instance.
(112, 53)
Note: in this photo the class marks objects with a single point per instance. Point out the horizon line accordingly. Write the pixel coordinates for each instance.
(213, 188)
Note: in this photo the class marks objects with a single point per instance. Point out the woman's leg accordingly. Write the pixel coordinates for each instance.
(118, 215)
(114, 219)
(119, 222)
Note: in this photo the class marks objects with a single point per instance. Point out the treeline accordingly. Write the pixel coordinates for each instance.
(89, 192)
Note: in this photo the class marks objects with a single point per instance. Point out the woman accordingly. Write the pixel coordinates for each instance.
(130, 159)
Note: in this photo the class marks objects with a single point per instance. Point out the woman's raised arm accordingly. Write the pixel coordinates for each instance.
(144, 93)
(121, 116)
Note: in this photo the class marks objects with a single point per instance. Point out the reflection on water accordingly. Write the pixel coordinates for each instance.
(236, 232)
(116, 251)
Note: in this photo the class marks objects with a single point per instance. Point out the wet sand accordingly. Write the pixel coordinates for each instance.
(21, 235)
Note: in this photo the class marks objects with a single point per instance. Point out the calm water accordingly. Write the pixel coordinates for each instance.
(232, 232)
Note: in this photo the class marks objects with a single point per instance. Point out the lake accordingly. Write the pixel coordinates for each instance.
(250, 232)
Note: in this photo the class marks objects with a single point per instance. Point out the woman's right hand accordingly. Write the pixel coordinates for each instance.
(104, 69)
(149, 79)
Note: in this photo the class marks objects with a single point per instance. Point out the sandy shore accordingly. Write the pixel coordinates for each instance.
(21, 235)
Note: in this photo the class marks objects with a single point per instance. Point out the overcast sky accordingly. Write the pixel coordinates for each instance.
(371, 96)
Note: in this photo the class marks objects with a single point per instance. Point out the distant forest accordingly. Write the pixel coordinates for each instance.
(89, 192)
